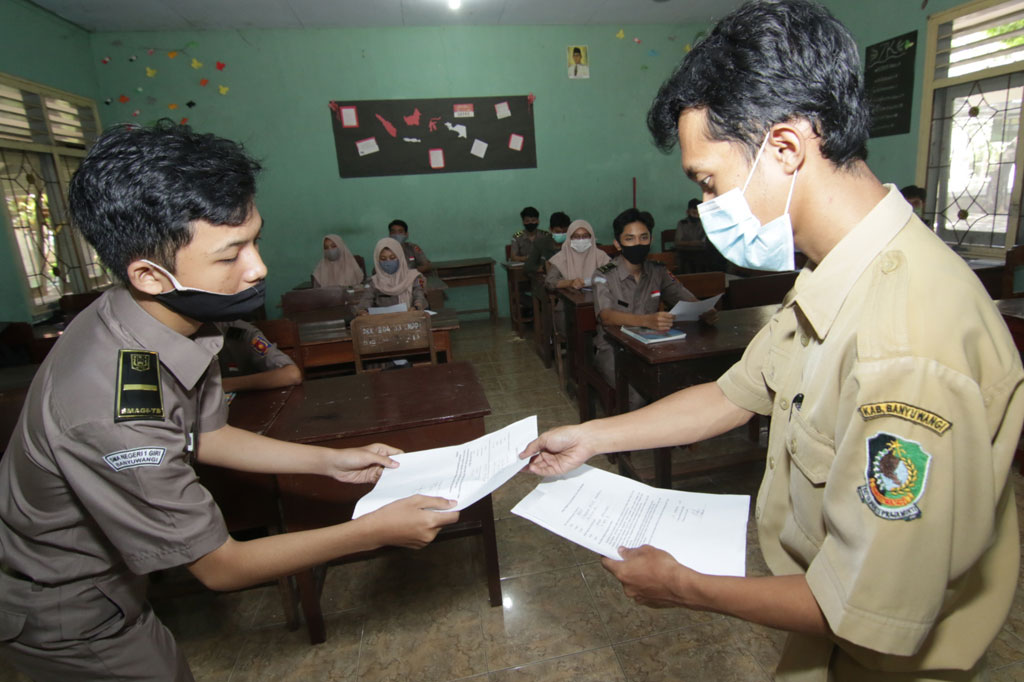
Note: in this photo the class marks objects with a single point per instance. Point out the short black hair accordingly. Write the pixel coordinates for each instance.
(559, 219)
(694, 203)
(767, 62)
(139, 189)
(529, 212)
(631, 215)
(578, 51)
(401, 223)
(913, 192)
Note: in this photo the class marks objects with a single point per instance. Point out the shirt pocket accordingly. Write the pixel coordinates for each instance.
(811, 455)
(11, 625)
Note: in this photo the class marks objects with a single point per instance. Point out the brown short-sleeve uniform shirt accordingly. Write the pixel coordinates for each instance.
(98, 477)
(414, 254)
(895, 395)
(522, 244)
(247, 351)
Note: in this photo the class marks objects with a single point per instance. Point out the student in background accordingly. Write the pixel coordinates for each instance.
(915, 196)
(399, 231)
(522, 241)
(393, 281)
(249, 361)
(629, 289)
(547, 245)
(573, 266)
(337, 266)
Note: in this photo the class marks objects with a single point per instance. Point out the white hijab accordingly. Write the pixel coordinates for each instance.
(342, 272)
(399, 284)
(574, 265)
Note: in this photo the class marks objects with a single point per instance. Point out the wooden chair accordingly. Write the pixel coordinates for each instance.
(361, 263)
(747, 292)
(1014, 259)
(284, 334)
(609, 249)
(704, 284)
(508, 252)
(668, 259)
(668, 238)
(72, 304)
(392, 335)
(301, 300)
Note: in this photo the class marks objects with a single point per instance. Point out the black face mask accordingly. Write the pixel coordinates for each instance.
(209, 306)
(530, 227)
(637, 253)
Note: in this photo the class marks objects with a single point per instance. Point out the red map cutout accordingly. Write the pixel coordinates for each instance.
(432, 125)
(412, 119)
(388, 126)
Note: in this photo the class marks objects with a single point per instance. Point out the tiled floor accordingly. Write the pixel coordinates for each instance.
(424, 616)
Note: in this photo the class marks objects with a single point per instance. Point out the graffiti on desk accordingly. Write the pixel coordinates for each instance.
(392, 336)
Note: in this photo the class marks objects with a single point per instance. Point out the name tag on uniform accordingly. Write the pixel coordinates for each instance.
(139, 457)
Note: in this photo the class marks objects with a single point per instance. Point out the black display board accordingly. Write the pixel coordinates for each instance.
(450, 135)
(889, 83)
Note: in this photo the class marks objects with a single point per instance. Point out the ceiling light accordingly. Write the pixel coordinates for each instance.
(454, 4)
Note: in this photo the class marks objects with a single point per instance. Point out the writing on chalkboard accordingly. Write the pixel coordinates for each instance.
(889, 83)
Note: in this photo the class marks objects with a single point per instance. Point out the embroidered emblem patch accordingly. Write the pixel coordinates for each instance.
(889, 408)
(260, 344)
(138, 386)
(139, 457)
(896, 473)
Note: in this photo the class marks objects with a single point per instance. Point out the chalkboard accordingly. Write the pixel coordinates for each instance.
(889, 83)
(416, 136)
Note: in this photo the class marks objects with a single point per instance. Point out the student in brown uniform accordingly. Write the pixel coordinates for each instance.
(250, 362)
(417, 260)
(97, 486)
(393, 281)
(886, 512)
(523, 240)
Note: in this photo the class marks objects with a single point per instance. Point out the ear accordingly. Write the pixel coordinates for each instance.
(789, 142)
(618, 246)
(146, 278)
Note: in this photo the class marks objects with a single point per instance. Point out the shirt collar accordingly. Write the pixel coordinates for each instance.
(187, 358)
(820, 293)
(622, 268)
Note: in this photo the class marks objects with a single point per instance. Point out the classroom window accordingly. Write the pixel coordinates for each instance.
(43, 137)
(973, 91)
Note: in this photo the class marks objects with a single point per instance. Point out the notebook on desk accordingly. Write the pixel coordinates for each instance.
(645, 335)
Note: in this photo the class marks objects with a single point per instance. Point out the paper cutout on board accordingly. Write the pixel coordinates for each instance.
(458, 129)
(183, 121)
(637, 41)
(621, 34)
(172, 106)
(223, 89)
(190, 103)
(462, 110)
(203, 82)
(411, 139)
(220, 66)
(432, 125)
(367, 146)
(105, 60)
(479, 148)
(530, 99)
(122, 99)
(196, 64)
(172, 54)
(515, 142)
(150, 73)
(437, 158)
(388, 126)
(412, 119)
(348, 117)
(135, 113)
(502, 110)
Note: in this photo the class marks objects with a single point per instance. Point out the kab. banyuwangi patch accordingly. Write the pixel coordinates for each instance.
(896, 473)
(892, 408)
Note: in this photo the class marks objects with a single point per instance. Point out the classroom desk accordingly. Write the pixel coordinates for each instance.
(391, 407)
(580, 325)
(516, 275)
(469, 272)
(1013, 314)
(656, 370)
(325, 339)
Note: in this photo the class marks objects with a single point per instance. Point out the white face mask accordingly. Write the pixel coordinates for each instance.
(580, 245)
(738, 234)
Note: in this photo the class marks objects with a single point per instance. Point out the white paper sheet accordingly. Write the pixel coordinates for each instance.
(515, 142)
(367, 146)
(687, 311)
(384, 309)
(349, 119)
(479, 148)
(602, 512)
(502, 110)
(465, 473)
(436, 158)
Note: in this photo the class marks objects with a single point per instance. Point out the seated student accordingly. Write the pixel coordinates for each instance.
(690, 242)
(915, 196)
(249, 362)
(393, 281)
(629, 289)
(575, 263)
(399, 231)
(337, 266)
(547, 245)
(522, 241)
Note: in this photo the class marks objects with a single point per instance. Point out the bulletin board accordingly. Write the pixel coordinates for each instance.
(417, 136)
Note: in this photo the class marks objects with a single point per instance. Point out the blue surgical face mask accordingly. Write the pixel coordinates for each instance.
(559, 237)
(739, 236)
(389, 266)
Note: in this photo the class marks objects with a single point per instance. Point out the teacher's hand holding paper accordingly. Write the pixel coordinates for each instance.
(650, 576)
(559, 451)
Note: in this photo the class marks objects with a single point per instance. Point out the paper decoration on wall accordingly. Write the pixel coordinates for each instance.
(150, 73)
(135, 113)
(529, 102)
(172, 106)
(223, 89)
(183, 121)
(577, 61)
(450, 148)
(105, 60)
(190, 104)
(621, 34)
(388, 125)
(107, 101)
(123, 99)
(196, 64)
(203, 82)
(220, 66)
(132, 58)
(172, 54)
(637, 41)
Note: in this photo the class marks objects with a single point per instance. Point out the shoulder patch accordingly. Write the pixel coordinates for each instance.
(895, 477)
(599, 279)
(607, 267)
(260, 344)
(518, 234)
(912, 414)
(139, 457)
(138, 394)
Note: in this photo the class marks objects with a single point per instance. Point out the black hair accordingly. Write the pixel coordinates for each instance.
(631, 215)
(694, 203)
(559, 219)
(529, 212)
(578, 51)
(139, 189)
(913, 192)
(767, 62)
(401, 223)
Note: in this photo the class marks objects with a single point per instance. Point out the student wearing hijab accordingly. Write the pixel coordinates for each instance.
(575, 263)
(337, 266)
(393, 281)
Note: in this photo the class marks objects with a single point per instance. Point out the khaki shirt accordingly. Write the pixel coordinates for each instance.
(615, 289)
(372, 298)
(417, 259)
(83, 494)
(247, 351)
(522, 244)
(894, 391)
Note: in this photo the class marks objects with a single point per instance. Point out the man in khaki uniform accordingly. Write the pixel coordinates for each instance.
(97, 486)
(399, 231)
(886, 513)
(249, 361)
(524, 239)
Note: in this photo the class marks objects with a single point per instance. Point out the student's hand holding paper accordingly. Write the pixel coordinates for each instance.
(411, 522)
(559, 451)
(650, 576)
(709, 316)
(660, 321)
(359, 465)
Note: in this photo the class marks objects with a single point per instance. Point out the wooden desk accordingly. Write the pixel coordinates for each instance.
(580, 325)
(517, 279)
(470, 272)
(656, 370)
(388, 407)
(325, 339)
(1013, 314)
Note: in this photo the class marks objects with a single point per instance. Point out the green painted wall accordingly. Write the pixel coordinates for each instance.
(40, 47)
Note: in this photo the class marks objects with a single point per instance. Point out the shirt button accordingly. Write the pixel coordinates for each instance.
(771, 462)
(804, 339)
(890, 261)
(783, 404)
(792, 445)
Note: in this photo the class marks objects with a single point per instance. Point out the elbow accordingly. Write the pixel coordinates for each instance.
(294, 376)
